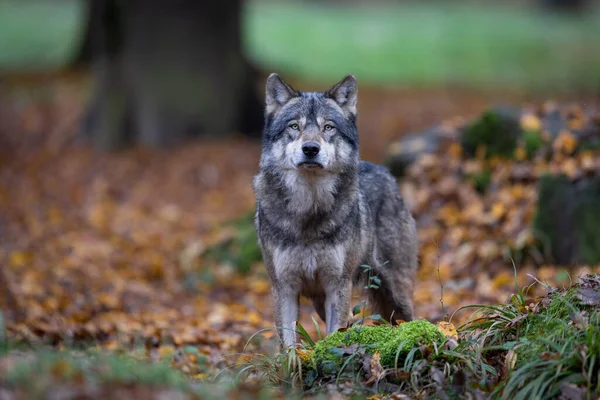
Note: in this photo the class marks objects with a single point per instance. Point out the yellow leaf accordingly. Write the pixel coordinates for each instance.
(448, 329)
(450, 214)
(498, 210)
(260, 286)
(455, 150)
(480, 152)
(166, 351)
(254, 318)
(376, 369)
(530, 122)
(576, 123)
(20, 258)
(61, 368)
(569, 167)
(503, 279)
(566, 143)
(587, 160)
(112, 345)
(304, 355)
(520, 153)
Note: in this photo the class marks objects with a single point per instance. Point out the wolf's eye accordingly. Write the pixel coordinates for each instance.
(328, 127)
(294, 127)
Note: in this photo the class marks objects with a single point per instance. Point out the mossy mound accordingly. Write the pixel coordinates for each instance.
(567, 219)
(496, 131)
(389, 340)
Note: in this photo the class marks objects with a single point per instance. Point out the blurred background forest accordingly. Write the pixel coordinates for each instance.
(130, 132)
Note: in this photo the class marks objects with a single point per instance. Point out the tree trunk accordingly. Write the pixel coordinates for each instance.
(167, 70)
(567, 220)
(571, 6)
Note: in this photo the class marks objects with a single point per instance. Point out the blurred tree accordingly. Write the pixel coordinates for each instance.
(166, 70)
(565, 5)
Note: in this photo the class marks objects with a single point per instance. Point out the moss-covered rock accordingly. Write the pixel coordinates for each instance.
(532, 142)
(567, 220)
(389, 340)
(496, 131)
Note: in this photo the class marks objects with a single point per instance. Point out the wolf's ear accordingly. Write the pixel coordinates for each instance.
(345, 93)
(278, 93)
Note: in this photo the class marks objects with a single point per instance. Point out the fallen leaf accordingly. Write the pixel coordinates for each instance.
(448, 329)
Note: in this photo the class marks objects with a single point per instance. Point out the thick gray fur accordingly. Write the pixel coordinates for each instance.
(319, 217)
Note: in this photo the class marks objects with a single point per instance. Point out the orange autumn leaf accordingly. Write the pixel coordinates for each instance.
(566, 143)
(448, 329)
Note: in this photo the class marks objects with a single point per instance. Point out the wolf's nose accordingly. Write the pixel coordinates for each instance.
(311, 149)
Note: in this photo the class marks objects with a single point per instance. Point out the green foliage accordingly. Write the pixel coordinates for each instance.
(555, 351)
(533, 141)
(240, 249)
(39, 34)
(521, 350)
(481, 180)
(40, 369)
(554, 342)
(450, 41)
(493, 132)
(529, 49)
(390, 341)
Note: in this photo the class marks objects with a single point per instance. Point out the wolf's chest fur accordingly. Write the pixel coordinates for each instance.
(309, 193)
(313, 237)
(307, 267)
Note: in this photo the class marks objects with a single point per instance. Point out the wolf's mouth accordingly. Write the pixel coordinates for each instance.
(310, 165)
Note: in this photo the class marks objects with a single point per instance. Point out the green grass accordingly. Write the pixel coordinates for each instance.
(37, 372)
(545, 345)
(418, 44)
(426, 43)
(523, 349)
(38, 34)
(41, 372)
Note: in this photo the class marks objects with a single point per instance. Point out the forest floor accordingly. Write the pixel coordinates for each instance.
(108, 250)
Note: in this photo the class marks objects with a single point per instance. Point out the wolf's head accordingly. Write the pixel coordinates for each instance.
(311, 132)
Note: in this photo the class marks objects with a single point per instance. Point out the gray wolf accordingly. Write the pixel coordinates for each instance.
(321, 212)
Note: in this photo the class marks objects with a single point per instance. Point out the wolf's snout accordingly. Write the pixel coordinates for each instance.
(311, 149)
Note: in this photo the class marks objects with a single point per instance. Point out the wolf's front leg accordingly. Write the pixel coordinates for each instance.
(337, 303)
(285, 307)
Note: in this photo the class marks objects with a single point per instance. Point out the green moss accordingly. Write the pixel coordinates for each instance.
(496, 132)
(533, 141)
(45, 366)
(387, 339)
(481, 180)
